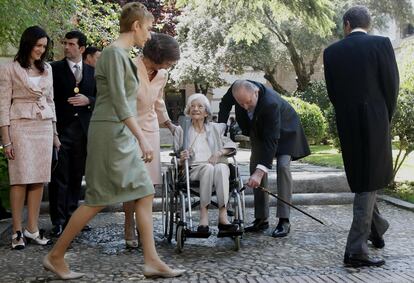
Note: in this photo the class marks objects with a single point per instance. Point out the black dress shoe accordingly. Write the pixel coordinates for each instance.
(56, 231)
(362, 260)
(86, 228)
(203, 229)
(377, 242)
(258, 225)
(282, 229)
(228, 227)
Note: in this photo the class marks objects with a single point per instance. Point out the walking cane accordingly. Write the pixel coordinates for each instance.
(285, 202)
(186, 122)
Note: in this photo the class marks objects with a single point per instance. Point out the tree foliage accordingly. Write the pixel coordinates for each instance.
(99, 21)
(202, 49)
(52, 15)
(164, 11)
(297, 35)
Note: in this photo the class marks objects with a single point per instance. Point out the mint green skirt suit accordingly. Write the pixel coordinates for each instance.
(115, 171)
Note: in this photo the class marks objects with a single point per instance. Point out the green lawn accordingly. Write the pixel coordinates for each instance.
(324, 155)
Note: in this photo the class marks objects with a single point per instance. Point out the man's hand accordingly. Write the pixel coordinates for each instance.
(79, 100)
(255, 179)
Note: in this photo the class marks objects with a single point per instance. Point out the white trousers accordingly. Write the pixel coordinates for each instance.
(210, 176)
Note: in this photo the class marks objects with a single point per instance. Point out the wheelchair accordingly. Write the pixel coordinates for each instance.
(180, 197)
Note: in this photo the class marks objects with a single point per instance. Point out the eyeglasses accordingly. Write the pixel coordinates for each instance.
(200, 107)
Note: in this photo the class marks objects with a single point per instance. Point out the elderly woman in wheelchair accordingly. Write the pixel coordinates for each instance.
(207, 153)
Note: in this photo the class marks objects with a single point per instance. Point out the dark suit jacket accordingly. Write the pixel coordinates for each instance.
(63, 84)
(362, 80)
(275, 128)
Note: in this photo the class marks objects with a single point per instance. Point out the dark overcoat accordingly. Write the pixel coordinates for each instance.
(362, 80)
(275, 128)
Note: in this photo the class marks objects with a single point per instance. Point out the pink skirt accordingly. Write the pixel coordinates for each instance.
(154, 167)
(32, 143)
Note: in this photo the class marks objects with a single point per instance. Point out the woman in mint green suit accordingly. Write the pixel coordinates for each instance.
(117, 149)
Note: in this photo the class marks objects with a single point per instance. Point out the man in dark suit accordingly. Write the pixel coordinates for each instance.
(362, 80)
(74, 96)
(275, 131)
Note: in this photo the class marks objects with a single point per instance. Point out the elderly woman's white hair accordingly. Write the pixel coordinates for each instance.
(203, 99)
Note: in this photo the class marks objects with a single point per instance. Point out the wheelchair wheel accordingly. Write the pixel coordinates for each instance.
(237, 240)
(180, 238)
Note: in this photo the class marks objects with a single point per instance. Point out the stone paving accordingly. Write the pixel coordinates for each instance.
(311, 252)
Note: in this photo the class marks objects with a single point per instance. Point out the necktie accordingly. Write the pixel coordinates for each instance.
(77, 73)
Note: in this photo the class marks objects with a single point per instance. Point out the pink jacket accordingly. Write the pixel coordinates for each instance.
(20, 99)
(150, 101)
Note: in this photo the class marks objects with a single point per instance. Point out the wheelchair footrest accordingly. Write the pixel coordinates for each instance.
(222, 234)
(196, 234)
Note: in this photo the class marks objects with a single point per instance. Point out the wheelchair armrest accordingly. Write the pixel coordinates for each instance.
(231, 153)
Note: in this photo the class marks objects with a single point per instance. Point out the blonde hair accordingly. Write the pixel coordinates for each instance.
(132, 12)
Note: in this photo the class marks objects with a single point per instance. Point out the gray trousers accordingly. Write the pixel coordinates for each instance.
(210, 176)
(367, 219)
(284, 189)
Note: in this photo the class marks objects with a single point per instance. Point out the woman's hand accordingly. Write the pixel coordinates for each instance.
(56, 142)
(170, 126)
(214, 159)
(184, 155)
(9, 152)
(147, 151)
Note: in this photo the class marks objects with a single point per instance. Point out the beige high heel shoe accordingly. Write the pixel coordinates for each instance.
(151, 272)
(64, 276)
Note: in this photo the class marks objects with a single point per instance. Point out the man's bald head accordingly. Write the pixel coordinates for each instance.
(246, 94)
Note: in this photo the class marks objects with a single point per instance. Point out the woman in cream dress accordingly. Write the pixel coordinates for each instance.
(28, 128)
(159, 54)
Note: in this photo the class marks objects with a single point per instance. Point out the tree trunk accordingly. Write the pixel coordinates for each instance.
(302, 75)
(270, 77)
(200, 88)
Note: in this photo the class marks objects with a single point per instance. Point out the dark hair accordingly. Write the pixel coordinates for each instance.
(77, 34)
(28, 41)
(90, 50)
(161, 48)
(358, 17)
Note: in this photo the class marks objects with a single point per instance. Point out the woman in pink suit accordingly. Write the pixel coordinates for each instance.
(28, 129)
(160, 53)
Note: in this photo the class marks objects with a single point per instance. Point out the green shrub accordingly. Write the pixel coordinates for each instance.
(403, 127)
(316, 93)
(331, 129)
(312, 119)
(4, 182)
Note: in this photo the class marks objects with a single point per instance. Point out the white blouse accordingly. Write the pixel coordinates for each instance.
(35, 80)
(199, 147)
